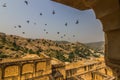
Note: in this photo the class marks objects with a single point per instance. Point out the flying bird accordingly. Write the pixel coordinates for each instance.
(23, 32)
(44, 29)
(53, 12)
(28, 21)
(77, 22)
(19, 26)
(14, 26)
(73, 35)
(4, 5)
(66, 24)
(41, 14)
(61, 36)
(46, 32)
(58, 32)
(45, 24)
(34, 23)
(26, 2)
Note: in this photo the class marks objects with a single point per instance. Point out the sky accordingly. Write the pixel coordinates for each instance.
(17, 13)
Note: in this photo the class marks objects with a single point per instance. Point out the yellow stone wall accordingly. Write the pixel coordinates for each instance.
(41, 66)
(80, 70)
(43, 78)
(27, 68)
(62, 70)
(26, 76)
(11, 71)
(43, 69)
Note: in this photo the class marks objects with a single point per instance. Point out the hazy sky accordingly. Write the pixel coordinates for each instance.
(17, 13)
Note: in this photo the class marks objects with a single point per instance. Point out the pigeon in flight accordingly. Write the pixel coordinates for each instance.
(35, 23)
(14, 26)
(66, 24)
(53, 12)
(58, 32)
(45, 24)
(23, 32)
(4, 5)
(41, 14)
(73, 35)
(61, 36)
(77, 22)
(44, 29)
(28, 21)
(46, 32)
(19, 26)
(26, 2)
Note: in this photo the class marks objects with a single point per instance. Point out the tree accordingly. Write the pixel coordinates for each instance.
(28, 40)
(71, 55)
(2, 55)
(31, 51)
(38, 51)
(1, 46)
(16, 47)
(3, 39)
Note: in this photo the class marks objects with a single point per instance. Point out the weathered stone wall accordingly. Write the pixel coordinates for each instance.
(91, 71)
(97, 75)
(60, 68)
(25, 69)
(41, 70)
(11, 71)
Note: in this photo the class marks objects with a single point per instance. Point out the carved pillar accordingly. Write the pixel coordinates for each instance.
(106, 72)
(111, 25)
(108, 12)
(3, 73)
(20, 71)
(92, 75)
(34, 69)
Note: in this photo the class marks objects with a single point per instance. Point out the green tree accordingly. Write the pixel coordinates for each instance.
(16, 47)
(2, 55)
(3, 39)
(71, 55)
(31, 51)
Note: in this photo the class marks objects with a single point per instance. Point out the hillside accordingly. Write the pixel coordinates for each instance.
(12, 46)
(99, 46)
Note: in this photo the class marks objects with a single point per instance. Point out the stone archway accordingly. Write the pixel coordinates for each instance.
(108, 12)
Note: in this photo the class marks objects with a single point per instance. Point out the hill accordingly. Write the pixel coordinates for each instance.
(99, 46)
(12, 46)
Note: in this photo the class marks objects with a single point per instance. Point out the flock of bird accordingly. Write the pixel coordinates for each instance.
(28, 21)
